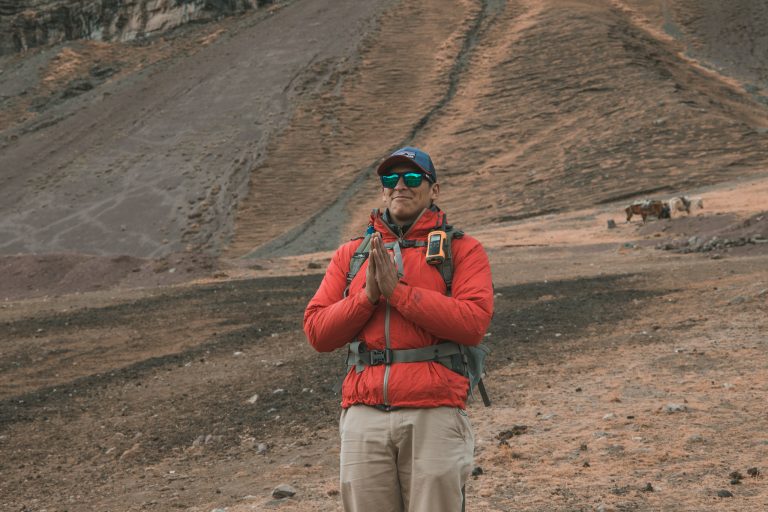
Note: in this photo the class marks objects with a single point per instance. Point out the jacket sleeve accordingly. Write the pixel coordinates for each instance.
(331, 320)
(464, 317)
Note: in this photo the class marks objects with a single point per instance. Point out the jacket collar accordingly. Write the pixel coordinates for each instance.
(429, 219)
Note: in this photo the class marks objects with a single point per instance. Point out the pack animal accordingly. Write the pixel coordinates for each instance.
(647, 208)
(680, 204)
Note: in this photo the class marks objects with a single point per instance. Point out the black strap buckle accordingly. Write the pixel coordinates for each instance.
(380, 357)
(386, 408)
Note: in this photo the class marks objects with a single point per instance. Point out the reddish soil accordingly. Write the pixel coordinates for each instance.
(151, 350)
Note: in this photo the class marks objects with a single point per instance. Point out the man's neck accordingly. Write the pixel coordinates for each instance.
(399, 228)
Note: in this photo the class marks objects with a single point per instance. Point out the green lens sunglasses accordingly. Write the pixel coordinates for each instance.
(411, 179)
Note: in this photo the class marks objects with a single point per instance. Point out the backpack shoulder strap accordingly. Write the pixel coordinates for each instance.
(446, 267)
(360, 255)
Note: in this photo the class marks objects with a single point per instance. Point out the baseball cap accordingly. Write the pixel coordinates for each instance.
(409, 156)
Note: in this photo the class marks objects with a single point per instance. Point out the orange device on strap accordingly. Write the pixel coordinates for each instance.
(435, 244)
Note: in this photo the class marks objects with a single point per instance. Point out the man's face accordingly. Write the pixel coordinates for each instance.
(406, 203)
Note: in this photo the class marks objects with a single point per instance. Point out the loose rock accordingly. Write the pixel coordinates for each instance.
(670, 408)
(283, 491)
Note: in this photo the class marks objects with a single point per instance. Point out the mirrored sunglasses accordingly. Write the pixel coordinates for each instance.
(411, 179)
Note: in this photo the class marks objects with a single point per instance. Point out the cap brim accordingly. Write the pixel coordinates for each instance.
(398, 159)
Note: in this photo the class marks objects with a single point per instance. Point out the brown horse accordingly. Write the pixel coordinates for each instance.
(648, 208)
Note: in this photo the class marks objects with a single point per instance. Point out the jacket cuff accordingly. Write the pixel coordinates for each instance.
(399, 294)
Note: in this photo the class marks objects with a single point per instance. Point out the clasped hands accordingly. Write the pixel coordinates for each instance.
(381, 276)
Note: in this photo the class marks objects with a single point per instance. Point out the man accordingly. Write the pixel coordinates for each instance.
(406, 441)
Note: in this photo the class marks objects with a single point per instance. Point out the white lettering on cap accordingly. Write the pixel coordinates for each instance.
(409, 154)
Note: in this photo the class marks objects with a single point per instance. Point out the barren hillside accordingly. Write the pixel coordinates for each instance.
(168, 206)
(568, 104)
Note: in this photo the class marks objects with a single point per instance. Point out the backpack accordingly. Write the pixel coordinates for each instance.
(466, 360)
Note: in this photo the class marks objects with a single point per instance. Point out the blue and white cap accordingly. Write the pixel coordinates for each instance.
(409, 156)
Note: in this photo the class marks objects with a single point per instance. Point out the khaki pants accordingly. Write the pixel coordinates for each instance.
(407, 460)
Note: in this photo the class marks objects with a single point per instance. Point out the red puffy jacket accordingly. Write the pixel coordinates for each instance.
(420, 314)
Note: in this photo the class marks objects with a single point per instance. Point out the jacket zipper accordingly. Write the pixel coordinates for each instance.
(387, 340)
(388, 346)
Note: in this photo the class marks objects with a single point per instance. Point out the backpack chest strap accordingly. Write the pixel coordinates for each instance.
(405, 244)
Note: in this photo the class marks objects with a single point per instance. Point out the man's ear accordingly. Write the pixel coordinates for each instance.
(434, 191)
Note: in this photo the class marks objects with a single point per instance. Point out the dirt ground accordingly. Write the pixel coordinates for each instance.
(622, 376)
(628, 370)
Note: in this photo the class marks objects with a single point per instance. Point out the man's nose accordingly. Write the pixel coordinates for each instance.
(400, 185)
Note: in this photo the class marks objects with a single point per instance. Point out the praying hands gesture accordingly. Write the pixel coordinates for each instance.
(381, 276)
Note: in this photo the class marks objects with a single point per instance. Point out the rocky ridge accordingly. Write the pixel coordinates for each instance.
(30, 23)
